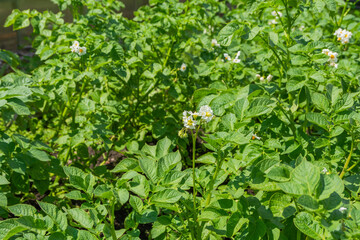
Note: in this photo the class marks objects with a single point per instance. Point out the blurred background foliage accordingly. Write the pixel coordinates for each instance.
(12, 40)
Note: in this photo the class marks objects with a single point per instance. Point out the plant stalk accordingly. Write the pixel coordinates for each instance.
(348, 158)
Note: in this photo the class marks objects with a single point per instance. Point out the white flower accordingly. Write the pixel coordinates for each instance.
(324, 170)
(215, 43)
(237, 60)
(254, 136)
(206, 113)
(333, 64)
(82, 51)
(342, 209)
(183, 67)
(301, 28)
(185, 115)
(343, 35)
(75, 46)
(276, 14)
(332, 56)
(258, 76)
(325, 51)
(338, 32)
(272, 22)
(227, 57)
(269, 77)
(262, 78)
(189, 122)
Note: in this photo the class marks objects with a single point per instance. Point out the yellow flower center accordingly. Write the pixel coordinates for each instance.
(190, 122)
(208, 114)
(332, 56)
(346, 35)
(80, 50)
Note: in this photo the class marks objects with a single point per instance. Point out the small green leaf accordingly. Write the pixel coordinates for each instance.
(317, 119)
(308, 202)
(56, 214)
(167, 196)
(306, 224)
(22, 210)
(81, 217)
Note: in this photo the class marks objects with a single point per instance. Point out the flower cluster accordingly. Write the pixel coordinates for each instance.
(191, 119)
(343, 35)
(235, 60)
(276, 14)
(214, 43)
(332, 57)
(210, 29)
(75, 48)
(262, 78)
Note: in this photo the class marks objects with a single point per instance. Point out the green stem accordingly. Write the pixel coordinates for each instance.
(298, 235)
(348, 158)
(354, 165)
(343, 13)
(291, 119)
(112, 220)
(78, 100)
(212, 183)
(194, 136)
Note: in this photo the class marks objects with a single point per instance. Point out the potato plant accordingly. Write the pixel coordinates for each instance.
(234, 119)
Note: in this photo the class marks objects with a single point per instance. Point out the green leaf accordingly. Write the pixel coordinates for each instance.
(317, 119)
(20, 210)
(79, 179)
(147, 216)
(149, 167)
(3, 180)
(167, 163)
(136, 203)
(307, 225)
(39, 155)
(280, 205)
(260, 106)
(226, 34)
(9, 228)
(85, 235)
(234, 224)
(18, 106)
(331, 5)
(307, 175)
(126, 165)
(308, 202)
(12, 17)
(122, 195)
(167, 196)
(21, 21)
(274, 37)
(3, 200)
(240, 107)
(163, 147)
(33, 223)
(329, 184)
(81, 217)
(257, 230)
(279, 173)
(55, 214)
(103, 191)
(76, 195)
(321, 102)
(292, 188)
